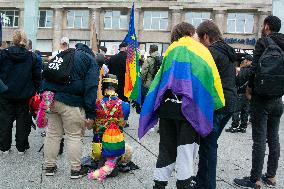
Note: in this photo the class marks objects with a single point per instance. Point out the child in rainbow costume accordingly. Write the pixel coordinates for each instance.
(109, 148)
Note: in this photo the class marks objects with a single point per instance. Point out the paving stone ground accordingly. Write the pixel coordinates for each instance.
(25, 172)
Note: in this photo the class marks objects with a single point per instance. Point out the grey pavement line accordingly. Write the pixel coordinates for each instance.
(141, 144)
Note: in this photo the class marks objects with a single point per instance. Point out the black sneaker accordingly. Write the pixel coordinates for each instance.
(267, 182)
(78, 174)
(232, 130)
(50, 171)
(246, 183)
(114, 172)
(241, 130)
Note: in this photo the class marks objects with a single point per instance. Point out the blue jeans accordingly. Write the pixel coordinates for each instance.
(206, 175)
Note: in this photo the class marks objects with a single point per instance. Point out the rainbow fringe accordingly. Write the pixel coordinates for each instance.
(44, 109)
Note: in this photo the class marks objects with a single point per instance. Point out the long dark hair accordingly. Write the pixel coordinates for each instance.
(181, 30)
(211, 29)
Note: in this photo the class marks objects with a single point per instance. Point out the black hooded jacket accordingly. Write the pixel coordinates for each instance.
(224, 57)
(20, 71)
(82, 91)
(117, 66)
(260, 47)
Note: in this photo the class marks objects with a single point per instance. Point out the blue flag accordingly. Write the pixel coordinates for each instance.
(131, 35)
(132, 87)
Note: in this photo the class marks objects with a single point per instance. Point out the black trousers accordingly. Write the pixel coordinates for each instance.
(11, 111)
(242, 114)
(266, 116)
(178, 148)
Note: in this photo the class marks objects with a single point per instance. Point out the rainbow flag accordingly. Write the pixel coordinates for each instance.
(188, 69)
(132, 87)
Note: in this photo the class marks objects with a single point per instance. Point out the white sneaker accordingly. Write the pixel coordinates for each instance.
(22, 153)
(152, 130)
(6, 152)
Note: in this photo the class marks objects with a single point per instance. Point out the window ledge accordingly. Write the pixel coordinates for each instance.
(240, 33)
(83, 29)
(156, 30)
(109, 29)
(10, 27)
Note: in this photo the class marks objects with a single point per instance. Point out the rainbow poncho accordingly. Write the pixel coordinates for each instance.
(189, 70)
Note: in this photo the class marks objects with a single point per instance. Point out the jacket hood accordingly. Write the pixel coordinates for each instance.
(85, 48)
(279, 39)
(18, 54)
(226, 49)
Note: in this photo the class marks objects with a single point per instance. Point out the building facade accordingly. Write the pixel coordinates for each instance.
(107, 20)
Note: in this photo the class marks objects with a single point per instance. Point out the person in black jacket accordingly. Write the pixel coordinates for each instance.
(117, 66)
(20, 72)
(224, 57)
(241, 114)
(72, 109)
(266, 112)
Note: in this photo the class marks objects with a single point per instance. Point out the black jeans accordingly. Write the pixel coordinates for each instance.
(266, 116)
(242, 114)
(9, 112)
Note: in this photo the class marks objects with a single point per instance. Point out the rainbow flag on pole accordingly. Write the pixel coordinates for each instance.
(132, 88)
(189, 70)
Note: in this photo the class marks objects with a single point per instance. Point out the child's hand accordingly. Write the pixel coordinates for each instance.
(89, 123)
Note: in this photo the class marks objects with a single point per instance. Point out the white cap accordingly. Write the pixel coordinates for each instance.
(64, 40)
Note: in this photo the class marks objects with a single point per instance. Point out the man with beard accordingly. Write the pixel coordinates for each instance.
(265, 91)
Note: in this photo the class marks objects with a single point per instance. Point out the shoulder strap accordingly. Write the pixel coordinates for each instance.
(268, 41)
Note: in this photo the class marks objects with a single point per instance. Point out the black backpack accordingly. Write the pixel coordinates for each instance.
(157, 64)
(59, 68)
(269, 77)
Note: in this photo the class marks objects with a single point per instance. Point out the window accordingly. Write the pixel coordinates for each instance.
(112, 47)
(115, 20)
(44, 45)
(145, 47)
(196, 18)
(156, 20)
(240, 23)
(78, 19)
(10, 18)
(45, 19)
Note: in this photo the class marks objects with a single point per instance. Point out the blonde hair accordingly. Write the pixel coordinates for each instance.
(20, 38)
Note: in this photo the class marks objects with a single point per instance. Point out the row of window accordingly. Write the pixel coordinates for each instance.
(153, 20)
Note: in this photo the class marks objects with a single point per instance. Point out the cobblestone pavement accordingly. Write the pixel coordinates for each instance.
(25, 172)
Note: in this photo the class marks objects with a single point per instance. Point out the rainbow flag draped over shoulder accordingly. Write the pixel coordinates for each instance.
(189, 70)
(132, 87)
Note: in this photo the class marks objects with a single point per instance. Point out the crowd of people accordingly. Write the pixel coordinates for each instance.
(198, 87)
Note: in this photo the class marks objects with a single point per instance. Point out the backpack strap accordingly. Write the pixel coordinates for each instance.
(268, 41)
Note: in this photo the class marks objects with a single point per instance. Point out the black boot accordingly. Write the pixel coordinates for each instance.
(186, 184)
(160, 184)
